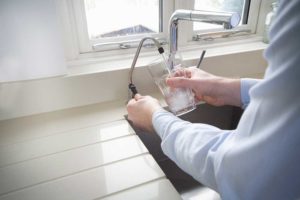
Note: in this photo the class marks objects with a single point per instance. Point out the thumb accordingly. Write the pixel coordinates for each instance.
(137, 96)
(178, 82)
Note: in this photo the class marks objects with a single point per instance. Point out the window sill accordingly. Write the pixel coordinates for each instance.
(190, 55)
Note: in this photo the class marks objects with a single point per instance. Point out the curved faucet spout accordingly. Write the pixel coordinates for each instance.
(228, 20)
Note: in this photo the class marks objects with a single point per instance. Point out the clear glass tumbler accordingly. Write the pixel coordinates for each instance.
(179, 100)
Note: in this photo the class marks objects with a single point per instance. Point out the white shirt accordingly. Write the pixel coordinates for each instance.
(261, 158)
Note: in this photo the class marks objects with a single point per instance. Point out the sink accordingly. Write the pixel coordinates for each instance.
(224, 117)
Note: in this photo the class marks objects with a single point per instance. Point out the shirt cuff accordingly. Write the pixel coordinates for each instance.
(246, 85)
(158, 124)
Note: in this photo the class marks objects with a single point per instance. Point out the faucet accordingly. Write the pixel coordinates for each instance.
(160, 49)
(228, 20)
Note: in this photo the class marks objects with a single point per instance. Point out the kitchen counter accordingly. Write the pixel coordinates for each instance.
(88, 152)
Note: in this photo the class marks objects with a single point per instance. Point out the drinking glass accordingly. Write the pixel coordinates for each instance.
(179, 100)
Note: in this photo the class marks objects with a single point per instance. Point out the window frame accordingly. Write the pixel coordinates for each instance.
(86, 45)
(78, 45)
(188, 34)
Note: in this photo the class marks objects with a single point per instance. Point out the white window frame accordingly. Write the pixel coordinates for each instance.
(86, 45)
(187, 32)
(77, 41)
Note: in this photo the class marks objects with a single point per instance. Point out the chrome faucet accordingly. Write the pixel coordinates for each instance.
(228, 20)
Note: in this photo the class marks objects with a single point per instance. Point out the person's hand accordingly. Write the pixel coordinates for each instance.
(212, 89)
(140, 111)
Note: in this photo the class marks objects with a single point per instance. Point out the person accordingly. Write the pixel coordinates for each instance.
(260, 159)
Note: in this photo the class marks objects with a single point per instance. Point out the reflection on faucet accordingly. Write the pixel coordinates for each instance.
(228, 20)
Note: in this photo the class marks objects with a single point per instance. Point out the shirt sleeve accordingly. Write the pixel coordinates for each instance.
(261, 158)
(191, 146)
(246, 85)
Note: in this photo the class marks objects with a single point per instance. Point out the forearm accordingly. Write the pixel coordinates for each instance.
(234, 92)
(229, 90)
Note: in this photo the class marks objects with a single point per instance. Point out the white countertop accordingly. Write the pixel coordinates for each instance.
(89, 152)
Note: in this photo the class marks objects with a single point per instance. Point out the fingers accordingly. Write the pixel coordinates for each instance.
(179, 82)
(185, 72)
(130, 103)
(134, 100)
(137, 96)
(178, 73)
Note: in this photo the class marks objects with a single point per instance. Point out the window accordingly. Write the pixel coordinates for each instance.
(105, 20)
(242, 7)
(119, 24)
(238, 6)
(114, 24)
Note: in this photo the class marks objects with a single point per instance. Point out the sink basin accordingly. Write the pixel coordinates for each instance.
(225, 117)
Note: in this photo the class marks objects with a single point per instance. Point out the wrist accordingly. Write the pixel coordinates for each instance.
(155, 119)
(230, 91)
(151, 112)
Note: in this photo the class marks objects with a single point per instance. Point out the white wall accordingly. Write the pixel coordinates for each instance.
(31, 44)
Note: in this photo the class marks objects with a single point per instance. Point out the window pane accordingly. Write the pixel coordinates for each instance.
(112, 18)
(218, 5)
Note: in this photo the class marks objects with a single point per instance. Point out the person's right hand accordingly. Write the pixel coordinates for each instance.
(212, 89)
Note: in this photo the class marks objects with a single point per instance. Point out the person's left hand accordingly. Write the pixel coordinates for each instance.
(140, 111)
